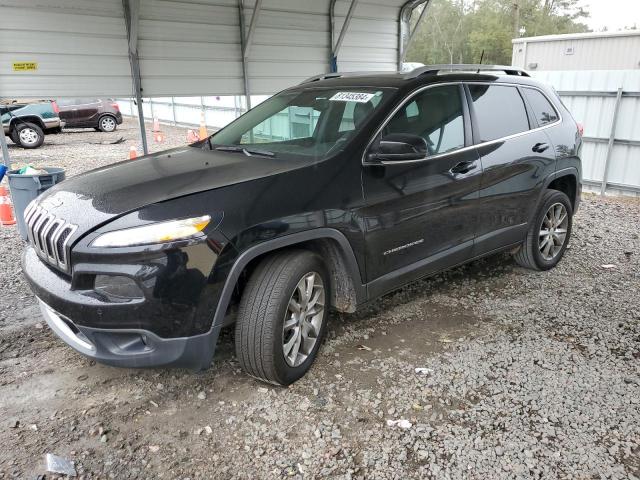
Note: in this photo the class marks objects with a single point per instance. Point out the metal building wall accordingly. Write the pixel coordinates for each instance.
(188, 47)
(80, 48)
(371, 41)
(585, 51)
(591, 96)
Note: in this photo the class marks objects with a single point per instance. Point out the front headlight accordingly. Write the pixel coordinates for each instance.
(153, 233)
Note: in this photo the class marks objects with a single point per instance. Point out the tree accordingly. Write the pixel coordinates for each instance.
(459, 31)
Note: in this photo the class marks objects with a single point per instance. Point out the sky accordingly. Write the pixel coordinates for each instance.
(613, 14)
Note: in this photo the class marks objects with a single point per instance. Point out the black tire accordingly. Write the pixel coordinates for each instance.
(107, 124)
(259, 331)
(530, 255)
(28, 135)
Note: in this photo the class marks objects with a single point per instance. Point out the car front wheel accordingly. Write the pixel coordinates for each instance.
(28, 135)
(548, 234)
(282, 317)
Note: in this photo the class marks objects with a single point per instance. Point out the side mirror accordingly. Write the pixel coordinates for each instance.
(398, 147)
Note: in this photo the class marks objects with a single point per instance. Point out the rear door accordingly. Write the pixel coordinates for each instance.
(517, 156)
(420, 216)
(87, 111)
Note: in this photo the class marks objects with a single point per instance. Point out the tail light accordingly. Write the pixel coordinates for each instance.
(115, 106)
(580, 129)
(55, 107)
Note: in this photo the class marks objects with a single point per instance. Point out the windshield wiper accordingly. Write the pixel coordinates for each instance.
(249, 152)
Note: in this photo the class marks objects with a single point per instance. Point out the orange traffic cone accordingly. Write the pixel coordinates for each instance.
(6, 212)
(156, 125)
(158, 137)
(202, 132)
(133, 153)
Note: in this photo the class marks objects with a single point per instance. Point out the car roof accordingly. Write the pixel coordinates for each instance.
(429, 74)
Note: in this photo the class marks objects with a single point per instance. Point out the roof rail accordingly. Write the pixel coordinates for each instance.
(327, 76)
(435, 69)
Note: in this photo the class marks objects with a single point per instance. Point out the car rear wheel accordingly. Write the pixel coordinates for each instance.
(282, 317)
(28, 135)
(548, 234)
(107, 124)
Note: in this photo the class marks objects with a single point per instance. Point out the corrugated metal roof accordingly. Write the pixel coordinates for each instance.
(187, 47)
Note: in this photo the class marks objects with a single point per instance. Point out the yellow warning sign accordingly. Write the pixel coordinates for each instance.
(25, 66)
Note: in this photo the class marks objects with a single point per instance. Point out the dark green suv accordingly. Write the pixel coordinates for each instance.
(26, 122)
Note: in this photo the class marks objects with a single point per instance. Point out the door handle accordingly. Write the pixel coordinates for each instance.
(540, 147)
(463, 167)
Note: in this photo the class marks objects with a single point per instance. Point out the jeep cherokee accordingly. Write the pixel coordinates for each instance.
(325, 196)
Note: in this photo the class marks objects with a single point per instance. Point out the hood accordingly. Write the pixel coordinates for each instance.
(95, 197)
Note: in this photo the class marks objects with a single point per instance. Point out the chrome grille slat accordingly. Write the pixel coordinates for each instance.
(31, 224)
(48, 234)
(36, 230)
(45, 231)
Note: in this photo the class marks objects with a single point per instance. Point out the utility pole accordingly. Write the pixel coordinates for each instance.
(516, 18)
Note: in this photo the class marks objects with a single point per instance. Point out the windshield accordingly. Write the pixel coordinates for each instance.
(313, 122)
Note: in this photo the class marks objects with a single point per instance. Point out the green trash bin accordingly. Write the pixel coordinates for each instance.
(25, 188)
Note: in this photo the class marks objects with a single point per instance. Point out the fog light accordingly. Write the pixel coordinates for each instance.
(117, 287)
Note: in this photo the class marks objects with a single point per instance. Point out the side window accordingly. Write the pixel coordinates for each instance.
(435, 115)
(499, 110)
(542, 108)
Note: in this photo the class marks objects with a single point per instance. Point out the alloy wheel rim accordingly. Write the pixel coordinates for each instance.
(108, 123)
(553, 231)
(28, 136)
(303, 319)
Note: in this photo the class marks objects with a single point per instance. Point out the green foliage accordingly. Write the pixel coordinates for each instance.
(459, 30)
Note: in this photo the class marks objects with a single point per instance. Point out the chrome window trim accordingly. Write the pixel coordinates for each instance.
(462, 149)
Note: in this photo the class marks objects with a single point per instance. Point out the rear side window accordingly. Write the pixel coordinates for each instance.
(542, 108)
(499, 110)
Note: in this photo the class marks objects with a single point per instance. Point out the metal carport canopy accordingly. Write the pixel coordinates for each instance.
(151, 48)
(192, 47)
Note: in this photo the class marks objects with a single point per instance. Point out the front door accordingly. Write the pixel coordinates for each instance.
(420, 216)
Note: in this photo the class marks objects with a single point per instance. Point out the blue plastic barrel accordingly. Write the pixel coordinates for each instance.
(25, 188)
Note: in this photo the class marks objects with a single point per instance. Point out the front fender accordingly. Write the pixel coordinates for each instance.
(286, 241)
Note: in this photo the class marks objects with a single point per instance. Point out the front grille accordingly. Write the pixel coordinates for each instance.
(49, 235)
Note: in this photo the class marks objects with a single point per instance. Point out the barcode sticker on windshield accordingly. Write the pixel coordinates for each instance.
(352, 97)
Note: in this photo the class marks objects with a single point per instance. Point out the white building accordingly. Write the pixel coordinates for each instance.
(579, 51)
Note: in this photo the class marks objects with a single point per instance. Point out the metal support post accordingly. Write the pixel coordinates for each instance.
(343, 31)
(612, 138)
(131, 15)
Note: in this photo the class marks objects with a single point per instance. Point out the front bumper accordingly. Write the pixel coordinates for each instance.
(133, 347)
(147, 332)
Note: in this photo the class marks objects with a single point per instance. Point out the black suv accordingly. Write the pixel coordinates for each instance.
(326, 196)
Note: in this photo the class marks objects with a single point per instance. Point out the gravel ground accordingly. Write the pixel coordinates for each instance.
(527, 375)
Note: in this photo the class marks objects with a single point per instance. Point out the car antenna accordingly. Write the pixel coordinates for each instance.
(481, 57)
